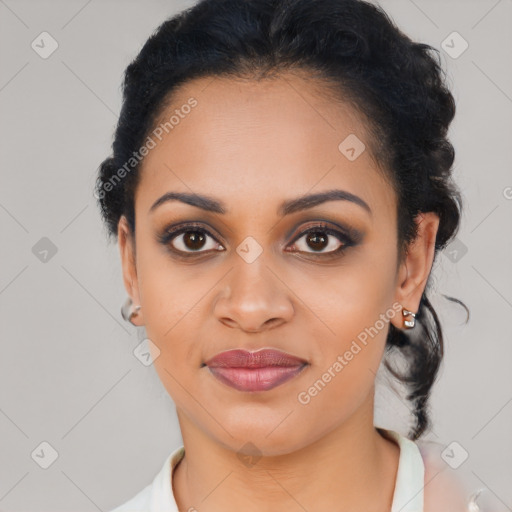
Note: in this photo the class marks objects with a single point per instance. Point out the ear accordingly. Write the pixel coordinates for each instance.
(413, 272)
(127, 251)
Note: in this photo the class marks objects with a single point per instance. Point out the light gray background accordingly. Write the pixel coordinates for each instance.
(68, 375)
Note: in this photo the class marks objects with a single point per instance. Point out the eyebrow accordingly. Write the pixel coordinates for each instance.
(288, 207)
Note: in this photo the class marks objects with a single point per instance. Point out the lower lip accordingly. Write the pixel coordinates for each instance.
(255, 379)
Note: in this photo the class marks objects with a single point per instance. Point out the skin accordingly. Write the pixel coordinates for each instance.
(253, 144)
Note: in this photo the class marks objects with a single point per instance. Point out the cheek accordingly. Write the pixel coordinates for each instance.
(172, 299)
(353, 296)
(168, 289)
(344, 372)
(355, 304)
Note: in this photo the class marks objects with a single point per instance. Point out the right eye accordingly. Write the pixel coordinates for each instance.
(190, 239)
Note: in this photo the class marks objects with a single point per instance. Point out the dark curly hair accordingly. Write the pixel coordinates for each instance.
(357, 54)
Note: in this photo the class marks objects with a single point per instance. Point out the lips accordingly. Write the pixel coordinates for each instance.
(255, 371)
(260, 359)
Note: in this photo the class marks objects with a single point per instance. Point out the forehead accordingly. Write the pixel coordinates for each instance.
(268, 138)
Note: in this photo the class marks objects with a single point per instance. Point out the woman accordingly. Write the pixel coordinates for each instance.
(280, 186)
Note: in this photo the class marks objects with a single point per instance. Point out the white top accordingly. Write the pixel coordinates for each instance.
(407, 497)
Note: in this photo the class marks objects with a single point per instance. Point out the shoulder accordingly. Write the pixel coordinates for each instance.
(157, 494)
(444, 489)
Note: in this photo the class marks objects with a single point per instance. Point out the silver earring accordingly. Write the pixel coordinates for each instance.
(128, 310)
(410, 318)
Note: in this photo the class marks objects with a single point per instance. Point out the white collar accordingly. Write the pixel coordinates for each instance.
(407, 496)
(410, 478)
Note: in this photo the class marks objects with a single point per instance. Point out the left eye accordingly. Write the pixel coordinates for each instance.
(321, 240)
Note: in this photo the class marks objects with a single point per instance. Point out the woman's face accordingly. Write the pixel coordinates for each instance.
(253, 274)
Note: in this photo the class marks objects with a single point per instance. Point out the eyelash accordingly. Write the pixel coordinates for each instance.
(346, 240)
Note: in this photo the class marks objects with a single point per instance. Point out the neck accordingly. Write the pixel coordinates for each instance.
(352, 467)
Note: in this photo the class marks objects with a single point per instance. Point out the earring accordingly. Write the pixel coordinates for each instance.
(411, 321)
(128, 310)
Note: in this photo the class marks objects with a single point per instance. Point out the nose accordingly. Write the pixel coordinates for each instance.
(254, 298)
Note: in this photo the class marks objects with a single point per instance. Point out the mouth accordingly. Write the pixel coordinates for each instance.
(262, 370)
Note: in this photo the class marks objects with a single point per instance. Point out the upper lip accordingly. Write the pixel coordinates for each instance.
(238, 358)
